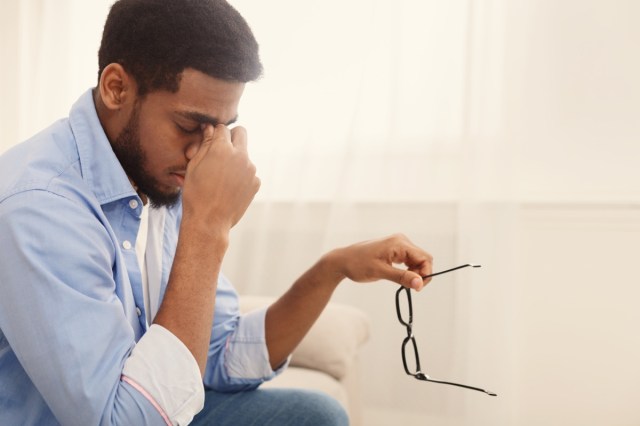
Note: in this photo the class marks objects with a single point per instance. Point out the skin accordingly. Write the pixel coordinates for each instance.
(187, 147)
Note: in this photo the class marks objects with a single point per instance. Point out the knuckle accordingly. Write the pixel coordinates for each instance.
(252, 168)
(399, 237)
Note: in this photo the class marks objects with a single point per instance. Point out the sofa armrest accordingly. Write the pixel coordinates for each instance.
(332, 344)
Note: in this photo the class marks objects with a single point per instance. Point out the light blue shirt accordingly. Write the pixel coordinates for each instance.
(74, 344)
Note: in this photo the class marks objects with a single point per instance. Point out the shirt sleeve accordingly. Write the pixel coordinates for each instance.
(238, 354)
(163, 370)
(62, 314)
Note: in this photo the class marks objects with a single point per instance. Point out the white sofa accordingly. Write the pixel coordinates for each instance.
(327, 358)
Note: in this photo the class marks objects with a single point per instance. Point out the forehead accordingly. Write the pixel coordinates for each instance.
(201, 96)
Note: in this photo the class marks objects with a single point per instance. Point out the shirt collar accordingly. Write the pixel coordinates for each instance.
(100, 167)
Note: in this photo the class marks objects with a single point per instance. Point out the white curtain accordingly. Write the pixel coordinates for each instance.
(355, 100)
(498, 132)
(49, 56)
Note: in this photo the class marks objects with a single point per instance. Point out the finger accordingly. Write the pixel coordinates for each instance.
(413, 257)
(207, 132)
(404, 277)
(424, 271)
(239, 138)
(196, 152)
(222, 134)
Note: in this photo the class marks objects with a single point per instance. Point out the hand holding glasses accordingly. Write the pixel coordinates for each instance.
(411, 360)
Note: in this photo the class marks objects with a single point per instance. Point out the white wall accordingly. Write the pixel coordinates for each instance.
(577, 346)
(552, 212)
(573, 99)
(549, 322)
(8, 73)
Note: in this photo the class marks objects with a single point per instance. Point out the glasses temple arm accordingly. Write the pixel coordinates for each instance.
(421, 376)
(449, 270)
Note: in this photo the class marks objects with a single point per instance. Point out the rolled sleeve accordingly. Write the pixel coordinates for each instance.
(165, 372)
(247, 356)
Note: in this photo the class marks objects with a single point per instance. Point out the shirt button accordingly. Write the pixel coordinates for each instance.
(133, 204)
(138, 311)
(126, 245)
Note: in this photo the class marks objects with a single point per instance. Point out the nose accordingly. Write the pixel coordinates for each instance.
(192, 149)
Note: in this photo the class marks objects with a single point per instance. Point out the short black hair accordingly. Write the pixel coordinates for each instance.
(156, 40)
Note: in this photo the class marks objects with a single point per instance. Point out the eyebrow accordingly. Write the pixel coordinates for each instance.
(204, 118)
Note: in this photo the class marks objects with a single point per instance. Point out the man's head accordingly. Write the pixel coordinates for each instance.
(166, 68)
(155, 40)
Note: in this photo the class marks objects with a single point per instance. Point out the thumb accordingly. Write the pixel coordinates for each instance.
(403, 277)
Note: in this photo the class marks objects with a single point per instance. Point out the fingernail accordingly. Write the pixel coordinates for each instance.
(416, 283)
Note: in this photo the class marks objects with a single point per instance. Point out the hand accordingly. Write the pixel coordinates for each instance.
(289, 319)
(374, 260)
(221, 181)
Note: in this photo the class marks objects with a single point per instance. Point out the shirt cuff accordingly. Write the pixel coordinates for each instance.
(247, 356)
(166, 373)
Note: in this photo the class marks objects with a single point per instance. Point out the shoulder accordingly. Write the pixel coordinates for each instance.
(42, 162)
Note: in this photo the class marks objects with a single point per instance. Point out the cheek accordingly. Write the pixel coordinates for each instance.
(163, 147)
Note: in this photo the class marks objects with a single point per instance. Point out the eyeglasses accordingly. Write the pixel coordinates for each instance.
(410, 357)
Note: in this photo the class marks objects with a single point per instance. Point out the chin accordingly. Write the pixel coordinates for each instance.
(164, 198)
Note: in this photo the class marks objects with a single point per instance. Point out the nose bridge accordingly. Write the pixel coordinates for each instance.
(192, 147)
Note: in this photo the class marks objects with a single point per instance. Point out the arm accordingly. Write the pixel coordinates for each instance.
(69, 334)
(74, 340)
(238, 357)
(290, 317)
(219, 185)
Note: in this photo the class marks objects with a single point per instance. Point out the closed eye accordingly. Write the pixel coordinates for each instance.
(188, 131)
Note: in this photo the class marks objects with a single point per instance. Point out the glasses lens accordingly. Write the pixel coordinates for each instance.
(403, 306)
(410, 356)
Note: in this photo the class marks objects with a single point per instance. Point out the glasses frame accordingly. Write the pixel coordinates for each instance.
(418, 374)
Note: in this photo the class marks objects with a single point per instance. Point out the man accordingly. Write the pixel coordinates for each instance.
(113, 226)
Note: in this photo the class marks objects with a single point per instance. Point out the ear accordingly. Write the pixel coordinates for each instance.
(117, 88)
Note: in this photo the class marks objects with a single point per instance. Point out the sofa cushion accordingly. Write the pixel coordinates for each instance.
(332, 344)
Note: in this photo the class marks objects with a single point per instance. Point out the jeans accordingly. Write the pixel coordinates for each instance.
(270, 407)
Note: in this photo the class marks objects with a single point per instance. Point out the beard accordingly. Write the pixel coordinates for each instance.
(132, 157)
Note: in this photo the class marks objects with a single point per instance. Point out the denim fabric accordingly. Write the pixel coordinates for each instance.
(271, 407)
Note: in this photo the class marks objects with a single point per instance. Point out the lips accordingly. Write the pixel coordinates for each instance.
(178, 177)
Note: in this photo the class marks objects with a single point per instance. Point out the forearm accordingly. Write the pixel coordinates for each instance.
(289, 318)
(219, 185)
(188, 306)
